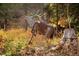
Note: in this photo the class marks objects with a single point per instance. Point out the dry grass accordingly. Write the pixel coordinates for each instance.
(15, 42)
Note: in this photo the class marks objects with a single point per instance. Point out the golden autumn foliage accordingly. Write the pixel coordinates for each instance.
(62, 22)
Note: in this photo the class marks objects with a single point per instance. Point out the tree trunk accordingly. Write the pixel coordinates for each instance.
(5, 24)
(69, 20)
(57, 17)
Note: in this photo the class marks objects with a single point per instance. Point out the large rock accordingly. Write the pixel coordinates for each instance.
(69, 33)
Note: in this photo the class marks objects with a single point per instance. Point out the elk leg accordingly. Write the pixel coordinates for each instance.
(30, 40)
(33, 33)
(48, 32)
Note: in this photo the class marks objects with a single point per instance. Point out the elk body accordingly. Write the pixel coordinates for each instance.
(43, 28)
